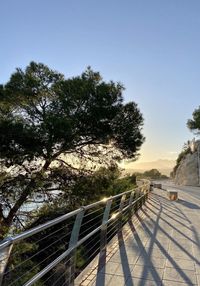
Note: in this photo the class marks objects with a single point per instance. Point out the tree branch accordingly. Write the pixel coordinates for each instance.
(67, 164)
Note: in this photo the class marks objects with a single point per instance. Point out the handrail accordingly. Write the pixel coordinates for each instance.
(95, 221)
(37, 229)
(6, 242)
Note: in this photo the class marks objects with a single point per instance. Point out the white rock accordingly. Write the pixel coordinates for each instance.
(188, 170)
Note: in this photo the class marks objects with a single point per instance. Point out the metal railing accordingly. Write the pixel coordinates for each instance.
(55, 252)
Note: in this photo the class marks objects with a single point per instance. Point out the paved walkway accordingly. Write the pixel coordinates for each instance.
(161, 246)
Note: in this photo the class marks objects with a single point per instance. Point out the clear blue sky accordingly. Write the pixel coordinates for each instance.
(151, 46)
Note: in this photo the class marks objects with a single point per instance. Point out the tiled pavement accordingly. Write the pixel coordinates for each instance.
(161, 246)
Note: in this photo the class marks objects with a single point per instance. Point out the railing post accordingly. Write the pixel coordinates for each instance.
(144, 193)
(73, 241)
(147, 192)
(121, 206)
(138, 200)
(151, 187)
(130, 204)
(104, 226)
(103, 235)
(4, 256)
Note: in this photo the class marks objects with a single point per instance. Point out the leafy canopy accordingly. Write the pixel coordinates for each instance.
(45, 119)
(194, 124)
(44, 115)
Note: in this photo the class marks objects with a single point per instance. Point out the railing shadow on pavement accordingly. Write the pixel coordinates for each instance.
(174, 219)
(183, 216)
(101, 272)
(159, 204)
(180, 232)
(196, 236)
(145, 256)
(125, 265)
(100, 279)
(172, 211)
(171, 238)
(185, 203)
(124, 258)
(157, 243)
(188, 204)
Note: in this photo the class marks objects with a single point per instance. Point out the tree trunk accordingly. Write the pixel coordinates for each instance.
(3, 228)
(4, 256)
(6, 222)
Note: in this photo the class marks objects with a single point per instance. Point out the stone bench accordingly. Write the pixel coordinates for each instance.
(172, 195)
(158, 186)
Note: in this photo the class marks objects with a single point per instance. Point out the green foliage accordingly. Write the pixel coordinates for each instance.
(49, 114)
(45, 119)
(153, 174)
(123, 184)
(80, 257)
(105, 182)
(194, 124)
(19, 265)
(40, 252)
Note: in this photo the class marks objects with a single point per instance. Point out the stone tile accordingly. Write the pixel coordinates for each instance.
(147, 273)
(87, 274)
(156, 241)
(181, 255)
(151, 261)
(153, 253)
(175, 283)
(166, 230)
(181, 263)
(197, 268)
(156, 247)
(132, 281)
(130, 248)
(124, 270)
(117, 281)
(136, 245)
(142, 258)
(134, 242)
(101, 280)
(183, 241)
(182, 233)
(124, 257)
(198, 279)
(197, 255)
(162, 239)
(179, 275)
(110, 267)
(142, 240)
(86, 283)
(175, 247)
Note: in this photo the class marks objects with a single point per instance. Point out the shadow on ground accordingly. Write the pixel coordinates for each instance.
(165, 245)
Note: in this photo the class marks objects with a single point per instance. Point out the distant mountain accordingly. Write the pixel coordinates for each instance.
(163, 165)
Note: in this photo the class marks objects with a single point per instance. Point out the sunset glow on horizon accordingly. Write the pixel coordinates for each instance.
(152, 47)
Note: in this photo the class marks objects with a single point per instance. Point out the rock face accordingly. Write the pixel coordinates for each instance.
(188, 171)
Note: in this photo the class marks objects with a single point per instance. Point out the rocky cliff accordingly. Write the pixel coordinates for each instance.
(187, 172)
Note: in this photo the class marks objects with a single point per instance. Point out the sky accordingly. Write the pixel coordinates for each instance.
(151, 46)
